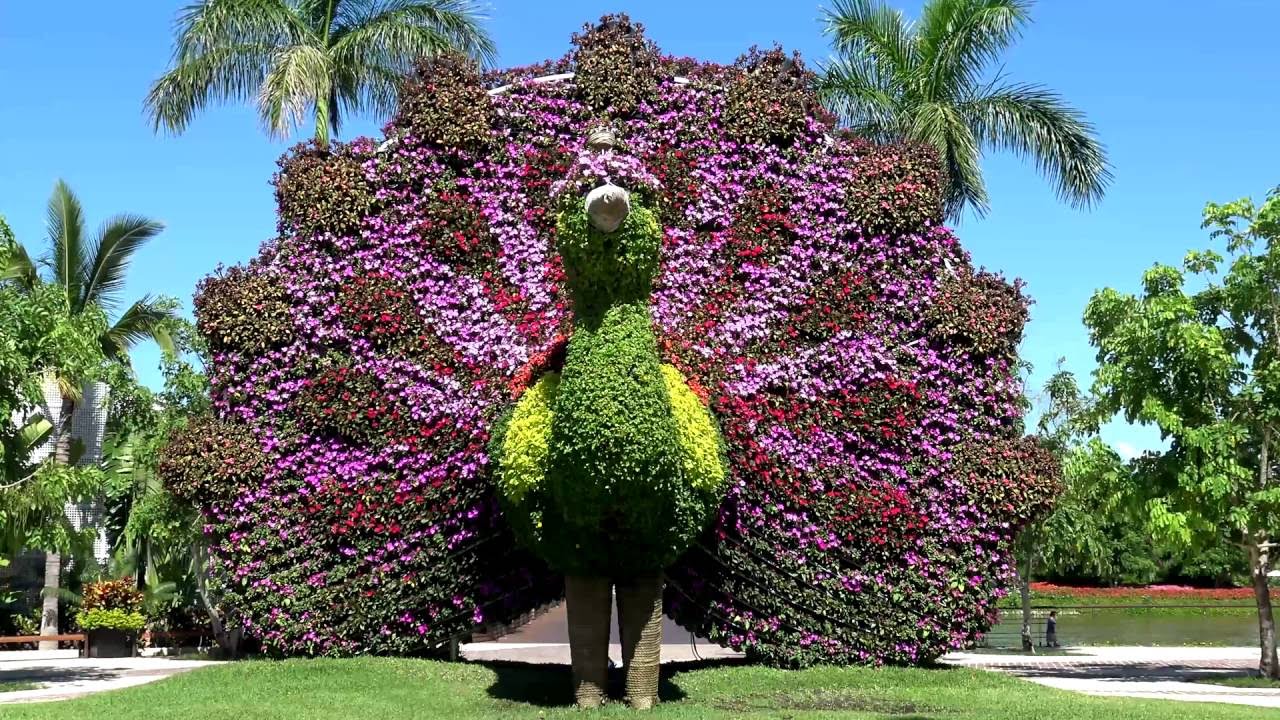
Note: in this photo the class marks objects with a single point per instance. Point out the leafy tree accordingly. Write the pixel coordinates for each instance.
(1202, 366)
(294, 57)
(930, 82)
(89, 273)
(1094, 491)
(39, 337)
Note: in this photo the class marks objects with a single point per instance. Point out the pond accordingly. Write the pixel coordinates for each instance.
(1084, 626)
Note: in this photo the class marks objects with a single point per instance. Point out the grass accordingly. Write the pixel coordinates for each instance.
(1244, 681)
(16, 686)
(400, 688)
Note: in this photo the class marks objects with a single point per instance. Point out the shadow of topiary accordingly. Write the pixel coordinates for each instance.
(550, 685)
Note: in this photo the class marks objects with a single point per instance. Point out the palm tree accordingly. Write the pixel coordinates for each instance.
(929, 82)
(91, 271)
(292, 57)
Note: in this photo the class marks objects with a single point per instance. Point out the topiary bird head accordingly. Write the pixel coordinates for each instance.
(609, 241)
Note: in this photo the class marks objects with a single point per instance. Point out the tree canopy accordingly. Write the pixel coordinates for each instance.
(1195, 354)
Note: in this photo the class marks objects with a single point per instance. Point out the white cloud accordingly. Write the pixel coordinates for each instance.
(1126, 451)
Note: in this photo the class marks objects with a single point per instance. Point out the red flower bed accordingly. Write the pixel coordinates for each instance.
(1150, 592)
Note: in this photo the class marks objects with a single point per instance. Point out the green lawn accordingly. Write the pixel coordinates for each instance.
(16, 686)
(396, 688)
(1245, 681)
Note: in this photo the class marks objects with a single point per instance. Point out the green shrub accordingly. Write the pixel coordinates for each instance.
(615, 65)
(445, 104)
(110, 620)
(211, 461)
(614, 466)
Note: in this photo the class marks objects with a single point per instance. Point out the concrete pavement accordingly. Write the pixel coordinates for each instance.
(62, 675)
(1162, 673)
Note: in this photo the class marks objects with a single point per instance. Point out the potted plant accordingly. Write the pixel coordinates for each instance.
(111, 614)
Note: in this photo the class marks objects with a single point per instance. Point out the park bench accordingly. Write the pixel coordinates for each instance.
(80, 638)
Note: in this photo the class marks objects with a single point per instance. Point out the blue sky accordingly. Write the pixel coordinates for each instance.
(1183, 93)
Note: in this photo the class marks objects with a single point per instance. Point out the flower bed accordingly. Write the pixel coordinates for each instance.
(863, 372)
(1154, 595)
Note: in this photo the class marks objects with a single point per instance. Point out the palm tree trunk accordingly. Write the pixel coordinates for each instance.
(322, 122)
(49, 620)
(640, 629)
(1259, 564)
(588, 605)
(49, 609)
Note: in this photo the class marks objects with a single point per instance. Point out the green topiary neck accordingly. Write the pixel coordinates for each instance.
(607, 269)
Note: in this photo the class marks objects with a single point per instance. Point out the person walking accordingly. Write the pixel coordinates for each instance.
(1051, 630)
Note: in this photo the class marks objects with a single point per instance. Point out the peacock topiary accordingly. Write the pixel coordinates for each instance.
(777, 389)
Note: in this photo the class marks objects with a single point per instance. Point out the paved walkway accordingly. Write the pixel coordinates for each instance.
(63, 675)
(1167, 673)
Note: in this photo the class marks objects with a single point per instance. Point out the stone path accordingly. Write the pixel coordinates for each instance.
(63, 675)
(1159, 673)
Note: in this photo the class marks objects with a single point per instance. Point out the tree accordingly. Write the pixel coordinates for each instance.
(39, 337)
(294, 57)
(894, 80)
(89, 272)
(1094, 489)
(1202, 367)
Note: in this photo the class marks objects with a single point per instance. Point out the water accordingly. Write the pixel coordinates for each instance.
(1110, 627)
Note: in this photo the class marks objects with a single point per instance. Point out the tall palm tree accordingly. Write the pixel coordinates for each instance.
(930, 82)
(91, 270)
(293, 57)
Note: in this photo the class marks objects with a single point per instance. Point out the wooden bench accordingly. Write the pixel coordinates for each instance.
(80, 638)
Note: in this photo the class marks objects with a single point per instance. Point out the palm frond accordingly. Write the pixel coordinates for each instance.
(232, 73)
(1035, 122)
(298, 78)
(372, 88)
(208, 25)
(871, 28)
(65, 223)
(20, 268)
(958, 38)
(221, 54)
(944, 127)
(393, 34)
(853, 87)
(146, 319)
(117, 241)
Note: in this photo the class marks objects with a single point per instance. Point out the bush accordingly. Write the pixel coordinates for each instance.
(771, 98)
(445, 104)
(110, 620)
(862, 376)
(322, 190)
(211, 462)
(242, 310)
(616, 65)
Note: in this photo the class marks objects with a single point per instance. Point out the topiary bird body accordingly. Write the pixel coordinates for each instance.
(616, 466)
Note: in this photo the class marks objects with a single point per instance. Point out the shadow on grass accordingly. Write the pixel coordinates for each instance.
(546, 685)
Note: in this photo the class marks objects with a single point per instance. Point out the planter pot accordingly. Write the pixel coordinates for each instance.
(112, 644)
